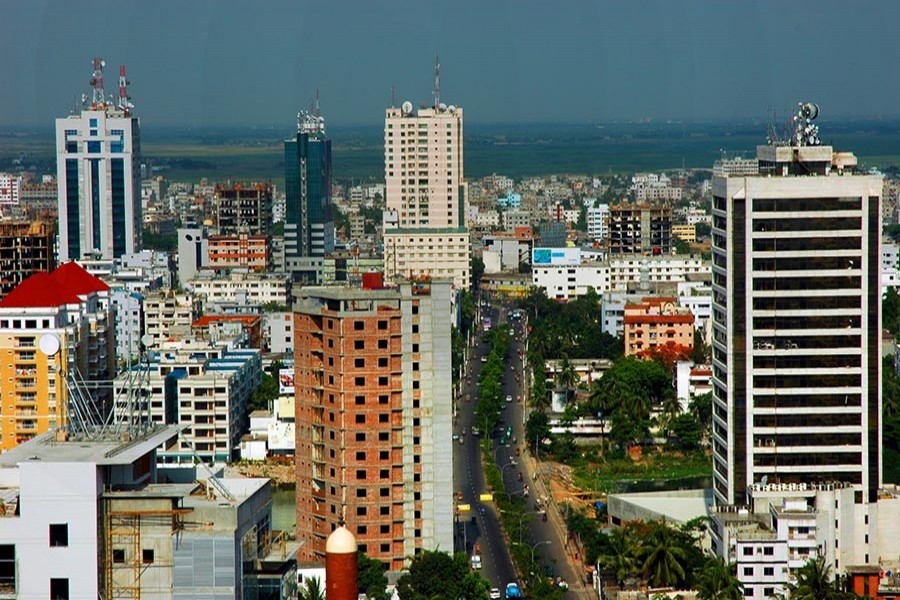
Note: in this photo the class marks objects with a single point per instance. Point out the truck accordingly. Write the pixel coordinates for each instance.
(513, 591)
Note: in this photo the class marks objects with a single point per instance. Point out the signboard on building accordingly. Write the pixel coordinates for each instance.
(556, 256)
(286, 381)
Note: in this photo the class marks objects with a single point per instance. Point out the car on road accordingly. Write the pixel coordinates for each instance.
(462, 440)
(508, 398)
(512, 331)
(513, 591)
(476, 562)
(455, 436)
(495, 594)
(463, 431)
(484, 359)
(475, 431)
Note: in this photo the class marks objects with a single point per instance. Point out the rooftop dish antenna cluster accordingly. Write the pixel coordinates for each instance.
(806, 133)
(98, 94)
(311, 121)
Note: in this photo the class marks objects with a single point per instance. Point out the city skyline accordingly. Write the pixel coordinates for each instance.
(588, 62)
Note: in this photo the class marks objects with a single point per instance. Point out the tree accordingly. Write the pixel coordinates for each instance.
(370, 578)
(814, 583)
(537, 428)
(702, 353)
(620, 558)
(563, 447)
(665, 558)
(717, 581)
(566, 377)
(686, 428)
(434, 574)
(267, 391)
(311, 590)
(890, 311)
(701, 408)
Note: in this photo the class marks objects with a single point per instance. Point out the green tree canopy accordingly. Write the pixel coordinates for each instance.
(434, 574)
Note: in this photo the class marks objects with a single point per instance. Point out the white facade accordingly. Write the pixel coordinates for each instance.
(598, 222)
(243, 288)
(567, 282)
(193, 253)
(167, 314)
(129, 322)
(429, 252)
(10, 189)
(890, 266)
(97, 156)
(516, 218)
(278, 332)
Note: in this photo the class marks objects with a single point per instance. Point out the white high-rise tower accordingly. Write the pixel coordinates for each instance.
(97, 163)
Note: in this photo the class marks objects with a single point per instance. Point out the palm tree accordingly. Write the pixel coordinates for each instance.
(566, 377)
(622, 557)
(664, 557)
(717, 581)
(312, 590)
(814, 582)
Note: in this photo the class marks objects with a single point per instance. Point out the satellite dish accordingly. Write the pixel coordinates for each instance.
(451, 108)
(764, 481)
(147, 340)
(49, 344)
(102, 63)
(406, 107)
(442, 106)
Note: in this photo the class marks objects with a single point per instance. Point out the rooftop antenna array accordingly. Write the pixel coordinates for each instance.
(437, 81)
(311, 121)
(806, 133)
(97, 96)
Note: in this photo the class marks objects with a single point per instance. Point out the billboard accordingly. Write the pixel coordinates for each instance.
(286, 381)
(556, 256)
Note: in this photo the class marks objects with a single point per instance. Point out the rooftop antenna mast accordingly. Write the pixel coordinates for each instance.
(317, 112)
(393, 103)
(97, 97)
(124, 103)
(437, 81)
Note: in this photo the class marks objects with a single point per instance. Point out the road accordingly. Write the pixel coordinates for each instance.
(469, 477)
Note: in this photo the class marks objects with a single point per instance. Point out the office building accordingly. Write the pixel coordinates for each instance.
(426, 194)
(26, 248)
(598, 222)
(309, 222)
(52, 325)
(640, 229)
(796, 351)
(99, 191)
(243, 208)
(193, 253)
(373, 401)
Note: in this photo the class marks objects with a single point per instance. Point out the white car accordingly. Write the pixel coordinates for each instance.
(495, 594)
(484, 359)
(509, 398)
(476, 562)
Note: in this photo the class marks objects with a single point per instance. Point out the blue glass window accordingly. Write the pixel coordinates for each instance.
(94, 147)
(117, 146)
(93, 133)
(72, 147)
(93, 122)
(71, 132)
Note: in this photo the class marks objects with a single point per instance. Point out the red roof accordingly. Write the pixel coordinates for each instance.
(664, 319)
(39, 290)
(206, 320)
(73, 277)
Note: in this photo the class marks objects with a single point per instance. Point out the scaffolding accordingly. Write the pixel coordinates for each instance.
(124, 563)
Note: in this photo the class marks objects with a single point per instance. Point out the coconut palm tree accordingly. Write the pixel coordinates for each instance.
(814, 583)
(312, 590)
(621, 559)
(717, 581)
(566, 377)
(664, 557)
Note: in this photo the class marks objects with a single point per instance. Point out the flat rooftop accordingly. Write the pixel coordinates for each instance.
(108, 450)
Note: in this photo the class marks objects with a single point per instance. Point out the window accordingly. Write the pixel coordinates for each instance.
(360, 511)
(361, 418)
(360, 473)
(382, 381)
(768, 592)
(385, 547)
(359, 325)
(147, 556)
(359, 344)
(382, 344)
(385, 529)
(748, 551)
(768, 550)
(769, 571)
(383, 362)
(748, 571)
(385, 510)
(360, 493)
(360, 437)
(359, 363)
(360, 400)
(384, 473)
(360, 381)
(383, 418)
(59, 535)
(360, 456)
(118, 555)
(382, 399)
(382, 325)
(385, 455)
(59, 588)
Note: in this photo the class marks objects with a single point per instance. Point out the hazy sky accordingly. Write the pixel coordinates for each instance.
(229, 62)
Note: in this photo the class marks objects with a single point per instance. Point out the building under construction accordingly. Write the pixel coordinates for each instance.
(640, 229)
(26, 248)
(244, 209)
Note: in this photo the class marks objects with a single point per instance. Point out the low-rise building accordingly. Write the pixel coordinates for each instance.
(655, 323)
(240, 251)
(169, 315)
(241, 287)
(685, 233)
(278, 332)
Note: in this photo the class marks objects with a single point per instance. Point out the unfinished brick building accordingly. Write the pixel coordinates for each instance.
(26, 248)
(373, 416)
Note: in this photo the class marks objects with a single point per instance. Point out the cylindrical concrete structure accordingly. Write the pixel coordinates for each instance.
(341, 565)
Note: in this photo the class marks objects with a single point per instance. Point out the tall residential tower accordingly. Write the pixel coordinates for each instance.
(425, 233)
(97, 164)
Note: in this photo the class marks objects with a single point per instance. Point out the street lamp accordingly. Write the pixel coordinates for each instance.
(534, 547)
(522, 519)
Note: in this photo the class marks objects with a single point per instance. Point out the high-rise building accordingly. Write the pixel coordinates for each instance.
(373, 413)
(426, 194)
(244, 208)
(53, 325)
(640, 229)
(26, 248)
(309, 222)
(796, 434)
(99, 191)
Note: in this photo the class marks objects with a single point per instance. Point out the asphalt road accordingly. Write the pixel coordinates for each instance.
(484, 530)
